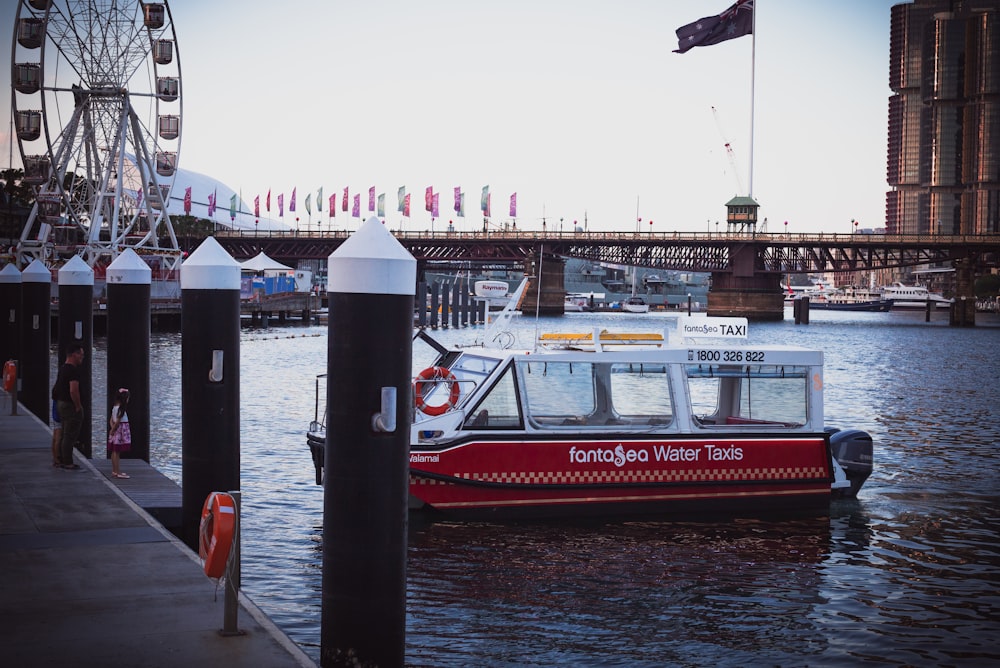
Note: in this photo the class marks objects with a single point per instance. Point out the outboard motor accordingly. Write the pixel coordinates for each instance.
(853, 450)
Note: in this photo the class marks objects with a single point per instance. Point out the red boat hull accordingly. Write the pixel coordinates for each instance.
(731, 474)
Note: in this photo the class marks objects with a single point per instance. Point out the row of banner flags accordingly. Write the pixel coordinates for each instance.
(375, 203)
(736, 21)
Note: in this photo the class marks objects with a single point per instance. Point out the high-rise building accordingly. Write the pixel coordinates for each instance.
(944, 118)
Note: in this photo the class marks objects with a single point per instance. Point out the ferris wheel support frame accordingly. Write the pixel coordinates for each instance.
(97, 203)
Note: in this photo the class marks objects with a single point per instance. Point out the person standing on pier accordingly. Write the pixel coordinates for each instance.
(119, 434)
(56, 430)
(69, 404)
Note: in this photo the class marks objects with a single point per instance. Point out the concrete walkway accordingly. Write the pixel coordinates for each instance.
(87, 578)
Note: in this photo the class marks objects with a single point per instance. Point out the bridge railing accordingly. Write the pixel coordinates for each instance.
(776, 238)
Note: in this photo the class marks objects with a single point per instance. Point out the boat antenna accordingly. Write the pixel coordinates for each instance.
(538, 289)
(499, 326)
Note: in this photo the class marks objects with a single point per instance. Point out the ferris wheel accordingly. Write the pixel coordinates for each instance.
(97, 104)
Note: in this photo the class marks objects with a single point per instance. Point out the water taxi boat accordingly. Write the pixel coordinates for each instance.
(602, 424)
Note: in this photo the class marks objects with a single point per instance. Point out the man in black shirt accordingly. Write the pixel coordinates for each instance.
(68, 404)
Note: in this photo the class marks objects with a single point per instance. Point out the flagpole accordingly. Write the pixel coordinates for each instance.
(753, 99)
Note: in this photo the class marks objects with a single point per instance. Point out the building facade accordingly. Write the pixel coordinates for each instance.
(944, 118)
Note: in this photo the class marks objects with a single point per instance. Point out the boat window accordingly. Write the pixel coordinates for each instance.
(499, 408)
(559, 393)
(640, 393)
(751, 395)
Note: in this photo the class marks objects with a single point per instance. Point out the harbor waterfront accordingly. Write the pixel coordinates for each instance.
(904, 575)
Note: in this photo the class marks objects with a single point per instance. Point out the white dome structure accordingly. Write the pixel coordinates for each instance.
(202, 187)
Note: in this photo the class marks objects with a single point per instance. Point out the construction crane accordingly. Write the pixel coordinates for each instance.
(729, 152)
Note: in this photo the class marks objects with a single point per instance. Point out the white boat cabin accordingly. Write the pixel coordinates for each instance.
(681, 389)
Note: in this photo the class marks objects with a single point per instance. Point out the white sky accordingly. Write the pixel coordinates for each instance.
(579, 106)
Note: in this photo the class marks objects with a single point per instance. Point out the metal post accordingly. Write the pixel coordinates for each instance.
(369, 399)
(230, 626)
(36, 319)
(10, 313)
(210, 380)
(76, 326)
(128, 321)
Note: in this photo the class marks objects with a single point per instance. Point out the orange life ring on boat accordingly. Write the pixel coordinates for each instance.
(215, 535)
(431, 376)
(9, 375)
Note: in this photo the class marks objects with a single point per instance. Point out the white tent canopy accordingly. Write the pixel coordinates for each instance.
(262, 262)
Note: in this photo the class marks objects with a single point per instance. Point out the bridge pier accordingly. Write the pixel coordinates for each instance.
(963, 309)
(552, 297)
(742, 292)
(756, 298)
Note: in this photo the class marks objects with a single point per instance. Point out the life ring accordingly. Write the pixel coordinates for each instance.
(215, 535)
(9, 375)
(433, 375)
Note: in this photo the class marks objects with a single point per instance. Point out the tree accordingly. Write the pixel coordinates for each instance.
(987, 286)
(14, 187)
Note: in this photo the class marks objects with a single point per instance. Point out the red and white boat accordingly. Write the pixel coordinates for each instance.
(605, 424)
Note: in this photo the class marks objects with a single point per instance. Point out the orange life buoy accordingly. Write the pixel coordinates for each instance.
(433, 375)
(215, 536)
(9, 375)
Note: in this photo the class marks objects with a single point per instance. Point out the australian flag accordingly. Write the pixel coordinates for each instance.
(734, 22)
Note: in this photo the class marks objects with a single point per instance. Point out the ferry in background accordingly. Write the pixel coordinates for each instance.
(851, 299)
(913, 297)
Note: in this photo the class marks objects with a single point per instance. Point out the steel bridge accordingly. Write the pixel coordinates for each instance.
(759, 253)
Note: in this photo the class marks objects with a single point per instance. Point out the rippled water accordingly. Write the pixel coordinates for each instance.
(908, 574)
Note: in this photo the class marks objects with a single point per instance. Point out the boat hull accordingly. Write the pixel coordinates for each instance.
(731, 474)
(874, 306)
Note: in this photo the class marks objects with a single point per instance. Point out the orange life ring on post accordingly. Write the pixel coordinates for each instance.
(215, 535)
(433, 375)
(9, 375)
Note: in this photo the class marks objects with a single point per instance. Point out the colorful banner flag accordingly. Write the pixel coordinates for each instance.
(319, 199)
(333, 205)
(486, 211)
(232, 207)
(309, 203)
(400, 196)
(211, 203)
(138, 198)
(269, 200)
(513, 205)
(458, 198)
(187, 201)
(406, 205)
(371, 198)
(484, 201)
(281, 205)
(291, 204)
(428, 198)
(256, 206)
(356, 209)
(381, 205)
(344, 205)
(734, 22)
(434, 205)
(461, 205)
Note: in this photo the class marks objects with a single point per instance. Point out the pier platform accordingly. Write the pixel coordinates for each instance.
(91, 579)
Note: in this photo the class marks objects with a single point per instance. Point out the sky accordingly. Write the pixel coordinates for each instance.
(579, 106)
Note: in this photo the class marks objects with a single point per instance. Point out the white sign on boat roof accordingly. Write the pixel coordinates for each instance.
(712, 327)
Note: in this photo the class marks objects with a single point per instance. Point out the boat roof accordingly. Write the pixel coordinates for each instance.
(651, 348)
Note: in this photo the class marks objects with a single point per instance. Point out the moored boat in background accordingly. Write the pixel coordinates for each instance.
(912, 297)
(850, 299)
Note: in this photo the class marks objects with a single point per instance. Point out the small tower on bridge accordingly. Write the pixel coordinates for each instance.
(741, 214)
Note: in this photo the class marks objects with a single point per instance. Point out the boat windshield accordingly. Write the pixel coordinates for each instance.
(595, 394)
(749, 394)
